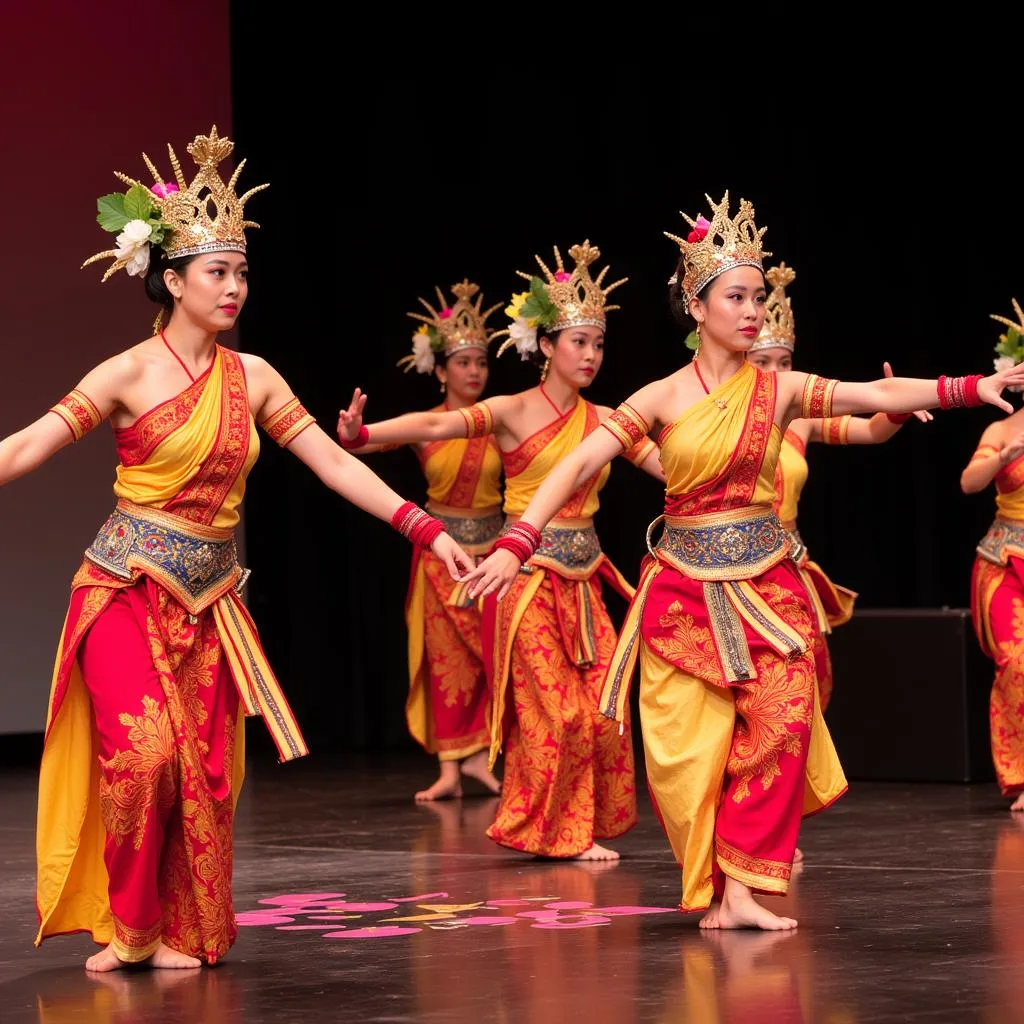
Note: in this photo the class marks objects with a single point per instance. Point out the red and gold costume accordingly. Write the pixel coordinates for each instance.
(569, 775)
(736, 747)
(157, 664)
(447, 705)
(833, 605)
(997, 606)
(159, 659)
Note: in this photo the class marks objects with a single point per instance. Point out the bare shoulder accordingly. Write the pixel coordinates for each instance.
(255, 365)
(1002, 430)
(125, 368)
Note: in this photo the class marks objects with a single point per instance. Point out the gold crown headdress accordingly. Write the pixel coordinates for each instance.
(448, 329)
(779, 330)
(1011, 344)
(703, 259)
(182, 218)
(559, 300)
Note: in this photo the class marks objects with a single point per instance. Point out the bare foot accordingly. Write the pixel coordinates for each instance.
(739, 909)
(597, 853)
(447, 786)
(172, 959)
(475, 767)
(104, 961)
(798, 856)
(165, 957)
(710, 919)
(1018, 804)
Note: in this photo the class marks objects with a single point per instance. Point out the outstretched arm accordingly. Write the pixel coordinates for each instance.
(340, 471)
(810, 396)
(623, 429)
(72, 418)
(482, 418)
(644, 454)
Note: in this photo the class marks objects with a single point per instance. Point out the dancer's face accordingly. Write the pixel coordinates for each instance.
(577, 355)
(734, 309)
(775, 360)
(465, 374)
(211, 290)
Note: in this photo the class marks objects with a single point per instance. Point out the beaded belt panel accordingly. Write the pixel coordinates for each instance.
(572, 552)
(196, 564)
(723, 546)
(481, 532)
(1005, 537)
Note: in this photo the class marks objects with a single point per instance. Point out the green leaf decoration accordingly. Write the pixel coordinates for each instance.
(1011, 344)
(111, 216)
(693, 341)
(137, 204)
(538, 307)
(436, 341)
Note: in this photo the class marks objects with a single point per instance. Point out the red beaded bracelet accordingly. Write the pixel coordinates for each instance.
(417, 526)
(359, 441)
(957, 392)
(521, 539)
(898, 418)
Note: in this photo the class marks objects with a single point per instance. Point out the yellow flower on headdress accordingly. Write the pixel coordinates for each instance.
(422, 329)
(513, 309)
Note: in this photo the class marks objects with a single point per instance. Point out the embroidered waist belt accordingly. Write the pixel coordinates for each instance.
(733, 545)
(573, 551)
(1005, 537)
(473, 532)
(197, 564)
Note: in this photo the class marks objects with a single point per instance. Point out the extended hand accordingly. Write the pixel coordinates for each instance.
(495, 572)
(455, 559)
(350, 420)
(991, 388)
(922, 414)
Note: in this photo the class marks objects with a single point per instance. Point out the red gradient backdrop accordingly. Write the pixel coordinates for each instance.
(84, 89)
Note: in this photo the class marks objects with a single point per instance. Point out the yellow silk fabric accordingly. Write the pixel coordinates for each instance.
(178, 458)
(443, 463)
(699, 446)
(794, 475)
(519, 489)
(1011, 504)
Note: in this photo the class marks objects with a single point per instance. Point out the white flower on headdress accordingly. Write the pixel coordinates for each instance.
(524, 336)
(133, 246)
(422, 353)
(1004, 363)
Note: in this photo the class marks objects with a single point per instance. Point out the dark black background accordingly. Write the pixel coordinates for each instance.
(886, 177)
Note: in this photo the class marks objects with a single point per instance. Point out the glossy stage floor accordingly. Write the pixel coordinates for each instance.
(356, 905)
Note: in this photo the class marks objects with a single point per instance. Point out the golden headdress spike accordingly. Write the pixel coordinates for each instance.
(559, 300)
(1019, 325)
(186, 219)
(779, 330)
(449, 328)
(704, 258)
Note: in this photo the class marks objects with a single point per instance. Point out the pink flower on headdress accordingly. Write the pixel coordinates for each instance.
(163, 191)
(700, 230)
(445, 313)
(562, 276)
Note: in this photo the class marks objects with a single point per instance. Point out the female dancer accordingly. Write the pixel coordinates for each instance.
(997, 585)
(731, 721)
(773, 351)
(568, 771)
(159, 659)
(446, 709)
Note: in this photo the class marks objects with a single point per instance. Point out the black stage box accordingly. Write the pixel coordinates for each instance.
(911, 697)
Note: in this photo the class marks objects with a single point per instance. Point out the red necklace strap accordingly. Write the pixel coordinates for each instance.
(700, 378)
(551, 403)
(176, 356)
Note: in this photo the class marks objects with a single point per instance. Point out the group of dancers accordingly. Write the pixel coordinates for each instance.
(511, 647)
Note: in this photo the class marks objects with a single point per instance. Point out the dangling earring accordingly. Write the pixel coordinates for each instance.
(444, 386)
(699, 339)
(158, 321)
(545, 370)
